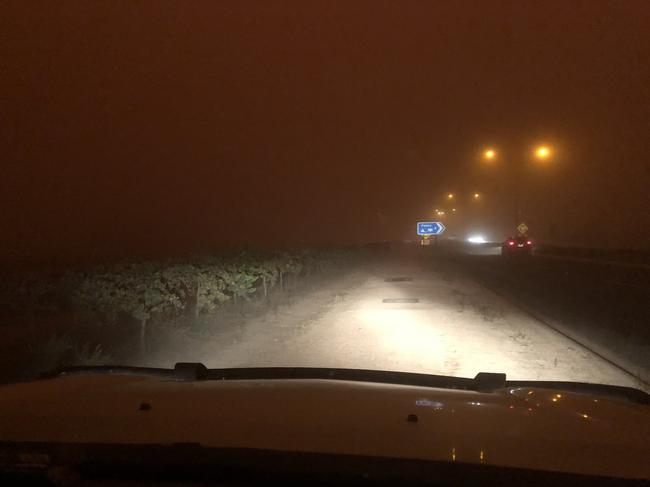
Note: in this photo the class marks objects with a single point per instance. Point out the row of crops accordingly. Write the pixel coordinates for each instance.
(145, 290)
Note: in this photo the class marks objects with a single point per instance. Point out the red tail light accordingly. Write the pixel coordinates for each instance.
(529, 242)
(511, 242)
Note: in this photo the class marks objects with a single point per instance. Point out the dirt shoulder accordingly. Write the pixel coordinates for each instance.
(258, 334)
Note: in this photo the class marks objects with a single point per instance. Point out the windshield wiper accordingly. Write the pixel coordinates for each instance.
(482, 382)
(189, 371)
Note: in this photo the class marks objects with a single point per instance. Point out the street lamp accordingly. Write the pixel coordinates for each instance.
(489, 154)
(450, 196)
(542, 152)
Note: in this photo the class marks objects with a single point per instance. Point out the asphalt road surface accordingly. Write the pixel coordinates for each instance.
(603, 304)
(406, 311)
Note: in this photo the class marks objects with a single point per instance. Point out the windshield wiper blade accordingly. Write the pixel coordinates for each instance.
(108, 370)
(189, 371)
(482, 382)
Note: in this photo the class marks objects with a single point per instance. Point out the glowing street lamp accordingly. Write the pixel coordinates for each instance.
(542, 152)
(450, 196)
(489, 154)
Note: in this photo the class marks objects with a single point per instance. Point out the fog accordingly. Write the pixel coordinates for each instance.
(173, 127)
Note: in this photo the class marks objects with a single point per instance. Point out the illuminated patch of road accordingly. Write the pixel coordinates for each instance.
(400, 300)
(438, 323)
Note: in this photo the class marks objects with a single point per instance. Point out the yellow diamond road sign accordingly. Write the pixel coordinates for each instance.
(522, 228)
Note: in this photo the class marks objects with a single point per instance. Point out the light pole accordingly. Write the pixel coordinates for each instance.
(540, 152)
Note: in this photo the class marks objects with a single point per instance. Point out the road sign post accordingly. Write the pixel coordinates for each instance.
(430, 228)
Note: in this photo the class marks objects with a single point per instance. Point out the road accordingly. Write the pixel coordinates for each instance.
(407, 311)
(602, 304)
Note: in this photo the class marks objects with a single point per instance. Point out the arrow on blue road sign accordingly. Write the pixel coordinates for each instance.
(430, 228)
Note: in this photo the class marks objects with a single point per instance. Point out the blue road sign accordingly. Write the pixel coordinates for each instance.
(430, 228)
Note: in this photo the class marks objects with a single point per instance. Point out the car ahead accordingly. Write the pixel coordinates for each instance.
(521, 245)
(341, 426)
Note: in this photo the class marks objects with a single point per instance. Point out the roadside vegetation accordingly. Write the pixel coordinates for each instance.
(88, 316)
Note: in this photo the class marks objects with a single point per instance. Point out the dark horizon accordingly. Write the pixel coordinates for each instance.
(173, 127)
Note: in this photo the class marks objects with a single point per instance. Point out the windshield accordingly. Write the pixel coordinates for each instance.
(244, 185)
(441, 188)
